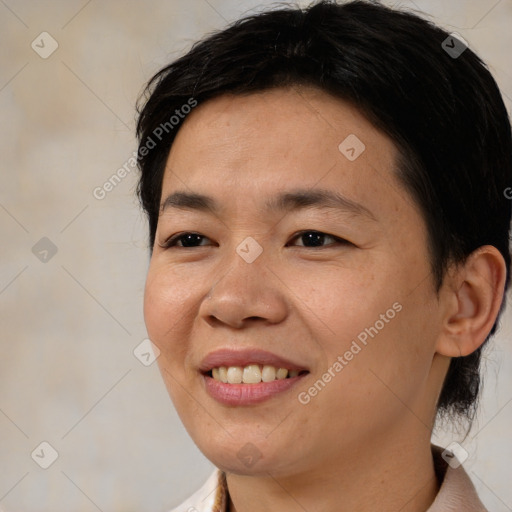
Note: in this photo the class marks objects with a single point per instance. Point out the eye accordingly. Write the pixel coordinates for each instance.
(316, 239)
(187, 239)
(309, 238)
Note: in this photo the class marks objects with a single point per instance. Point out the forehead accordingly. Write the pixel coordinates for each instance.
(281, 118)
(242, 147)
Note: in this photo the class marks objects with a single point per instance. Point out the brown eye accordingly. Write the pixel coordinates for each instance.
(317, 239)
(187, 240)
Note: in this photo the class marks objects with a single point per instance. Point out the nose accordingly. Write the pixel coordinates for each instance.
(244, 294)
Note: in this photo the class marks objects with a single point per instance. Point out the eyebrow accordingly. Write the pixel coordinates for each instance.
(292, 200)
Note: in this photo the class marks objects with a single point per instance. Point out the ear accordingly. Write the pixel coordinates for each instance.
(471, 299)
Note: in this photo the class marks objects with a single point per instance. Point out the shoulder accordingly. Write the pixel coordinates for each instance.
(208, 497)
(457, 491)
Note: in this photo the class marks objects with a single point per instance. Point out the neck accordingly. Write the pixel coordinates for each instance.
(385, 477)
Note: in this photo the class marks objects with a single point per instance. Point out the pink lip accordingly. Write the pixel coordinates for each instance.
(247, 394)
(230, 357)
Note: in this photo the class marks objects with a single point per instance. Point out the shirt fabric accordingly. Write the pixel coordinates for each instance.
(456, 493)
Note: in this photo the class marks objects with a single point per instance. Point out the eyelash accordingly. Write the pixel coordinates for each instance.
(171, 242)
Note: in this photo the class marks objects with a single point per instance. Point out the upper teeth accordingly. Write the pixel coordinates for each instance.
(251, 374)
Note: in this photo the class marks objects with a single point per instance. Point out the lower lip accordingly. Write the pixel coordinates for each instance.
(247, 394)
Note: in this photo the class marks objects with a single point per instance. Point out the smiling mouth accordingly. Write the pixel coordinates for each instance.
(252, 374)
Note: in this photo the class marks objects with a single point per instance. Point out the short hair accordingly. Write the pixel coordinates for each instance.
(442, 109)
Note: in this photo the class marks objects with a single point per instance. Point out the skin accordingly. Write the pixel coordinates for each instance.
(363, 442)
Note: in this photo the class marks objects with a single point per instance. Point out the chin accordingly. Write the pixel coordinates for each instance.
(246, 458)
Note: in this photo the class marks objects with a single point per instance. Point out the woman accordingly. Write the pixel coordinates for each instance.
(323, 275)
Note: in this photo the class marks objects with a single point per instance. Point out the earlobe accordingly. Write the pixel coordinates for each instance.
(471, 300)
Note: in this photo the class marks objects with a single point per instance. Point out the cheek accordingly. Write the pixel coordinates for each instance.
(156, 306)
(348, 301)
(166, 310)
(389, 375)
(166, 318)
(381, 330)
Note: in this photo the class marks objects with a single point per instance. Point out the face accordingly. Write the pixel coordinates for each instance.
(339, 290)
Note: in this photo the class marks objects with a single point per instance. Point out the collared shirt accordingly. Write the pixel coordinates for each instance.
(456, 494)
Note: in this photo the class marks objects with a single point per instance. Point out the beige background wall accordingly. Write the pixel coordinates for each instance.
(69, 324)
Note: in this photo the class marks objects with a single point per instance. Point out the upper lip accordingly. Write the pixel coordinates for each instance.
(230, 357)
